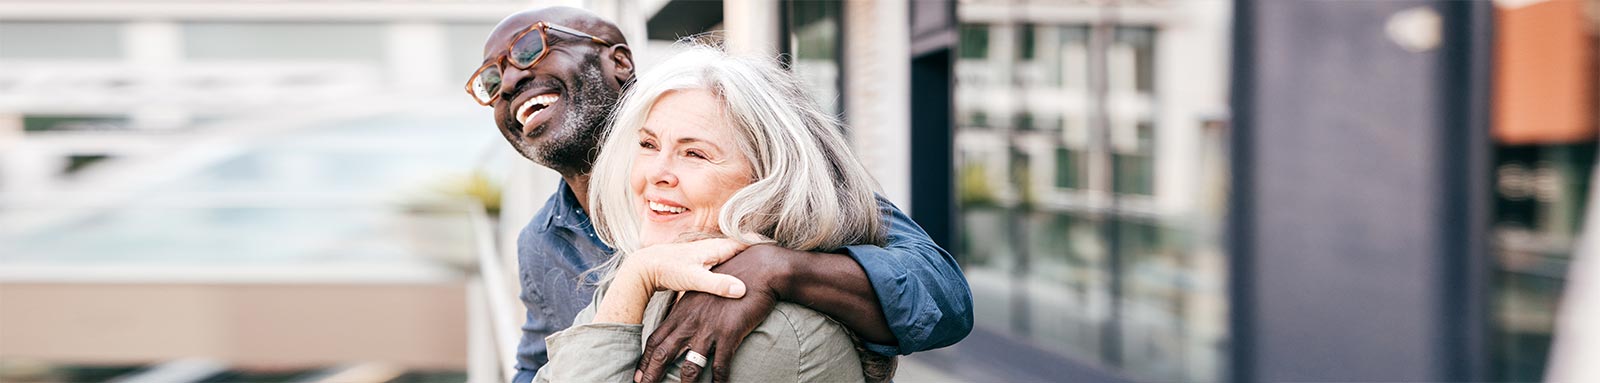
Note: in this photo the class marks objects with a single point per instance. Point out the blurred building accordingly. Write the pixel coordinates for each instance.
(1080, 158)
(238, 181)
(1090, 159)
(1086, 213)
(234, 190)
(88, 82)
(1408, 185)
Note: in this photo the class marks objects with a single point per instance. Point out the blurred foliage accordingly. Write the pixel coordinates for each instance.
(972, 188)
(1022, 176)
(476, 186)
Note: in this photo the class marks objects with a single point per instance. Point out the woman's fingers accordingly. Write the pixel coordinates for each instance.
(719, 250)
(704, 281)
(687, 267)
(720, 284)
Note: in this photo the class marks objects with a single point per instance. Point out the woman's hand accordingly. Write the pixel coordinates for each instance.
(673, 266)
(685, 267)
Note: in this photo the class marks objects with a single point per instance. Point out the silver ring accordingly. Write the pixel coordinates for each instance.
(696, 358)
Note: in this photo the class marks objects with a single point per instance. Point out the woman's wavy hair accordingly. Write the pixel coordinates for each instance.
(809, 191)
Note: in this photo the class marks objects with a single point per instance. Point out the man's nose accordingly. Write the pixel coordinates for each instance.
(510, 77)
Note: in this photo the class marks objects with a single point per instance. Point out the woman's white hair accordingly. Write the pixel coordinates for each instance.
(809, 191)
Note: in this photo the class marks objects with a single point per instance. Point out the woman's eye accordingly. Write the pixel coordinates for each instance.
(696, 154)
(647, 145)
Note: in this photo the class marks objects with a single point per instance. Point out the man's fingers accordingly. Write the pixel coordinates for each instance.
(691, 370)
(722, 362)
(662, 349)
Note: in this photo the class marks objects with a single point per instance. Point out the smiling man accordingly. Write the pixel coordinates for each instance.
(552, 76)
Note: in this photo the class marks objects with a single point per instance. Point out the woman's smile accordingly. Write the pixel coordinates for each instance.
(664, 210)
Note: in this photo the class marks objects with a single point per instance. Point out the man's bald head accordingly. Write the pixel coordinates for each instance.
(553, 111)
(577, 18)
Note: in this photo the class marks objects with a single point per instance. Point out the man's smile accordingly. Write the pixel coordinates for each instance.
(534, 107)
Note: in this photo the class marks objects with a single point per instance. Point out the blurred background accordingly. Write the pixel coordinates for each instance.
(1137, 190)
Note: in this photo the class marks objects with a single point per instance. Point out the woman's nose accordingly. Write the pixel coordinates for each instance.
(662, 174)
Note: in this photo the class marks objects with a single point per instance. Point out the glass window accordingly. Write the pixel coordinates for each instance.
(1025, 121)
(1142, 42)
(1039, 241)
(1539, 203)
(1069, 168)
(1026, 41)
(974, 41)
(60, 40)
(814, 44)
(1135, 173)
(1073, 69)
(284, 41)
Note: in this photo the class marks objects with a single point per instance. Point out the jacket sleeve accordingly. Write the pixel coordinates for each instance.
(595, 352)
(924, 295)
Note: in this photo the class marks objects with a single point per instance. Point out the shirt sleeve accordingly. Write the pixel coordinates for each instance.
(595, 352)
(924, 295)
(531, 350)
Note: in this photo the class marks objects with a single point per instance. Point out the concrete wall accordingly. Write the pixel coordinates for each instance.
(421, 326)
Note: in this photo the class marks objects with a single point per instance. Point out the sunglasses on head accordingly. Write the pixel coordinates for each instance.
(523, 52)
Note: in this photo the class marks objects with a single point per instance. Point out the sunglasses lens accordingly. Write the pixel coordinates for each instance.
(486, 84)
(527, 48)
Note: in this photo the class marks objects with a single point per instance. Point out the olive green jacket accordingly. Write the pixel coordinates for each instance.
(794, 344)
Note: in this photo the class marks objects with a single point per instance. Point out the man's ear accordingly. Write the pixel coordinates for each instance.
(621, 63)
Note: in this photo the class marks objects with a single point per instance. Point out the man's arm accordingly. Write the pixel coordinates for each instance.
(531, 351)
(908, 296)
(920, 287)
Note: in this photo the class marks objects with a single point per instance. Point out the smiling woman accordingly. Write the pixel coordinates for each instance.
(687, 169)
(731, 149)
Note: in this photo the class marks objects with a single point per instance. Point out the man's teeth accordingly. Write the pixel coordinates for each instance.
(543, 102)
(665, 208)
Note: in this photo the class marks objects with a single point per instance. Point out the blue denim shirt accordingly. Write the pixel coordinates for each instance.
(924, 296)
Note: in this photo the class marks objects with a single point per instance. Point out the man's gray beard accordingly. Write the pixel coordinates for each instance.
(574, 151)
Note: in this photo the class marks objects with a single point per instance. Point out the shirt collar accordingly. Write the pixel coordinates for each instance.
(563, 209)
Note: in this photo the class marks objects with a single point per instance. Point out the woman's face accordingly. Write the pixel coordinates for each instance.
(687, 167)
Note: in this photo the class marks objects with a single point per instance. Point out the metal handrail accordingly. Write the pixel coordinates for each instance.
(498, 302)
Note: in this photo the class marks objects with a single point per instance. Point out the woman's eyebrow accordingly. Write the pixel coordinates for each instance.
(685, 140)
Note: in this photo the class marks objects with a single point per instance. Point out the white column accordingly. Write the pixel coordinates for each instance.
(877, 41)
(751, 26)
(155, 52)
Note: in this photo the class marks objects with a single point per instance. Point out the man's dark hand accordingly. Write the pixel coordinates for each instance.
(715, 326)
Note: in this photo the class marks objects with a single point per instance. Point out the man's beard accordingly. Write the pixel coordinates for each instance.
(574, 150)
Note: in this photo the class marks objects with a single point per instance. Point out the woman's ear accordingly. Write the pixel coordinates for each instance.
(621, 63)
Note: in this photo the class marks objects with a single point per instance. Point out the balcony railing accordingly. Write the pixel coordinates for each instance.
(492, 330)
